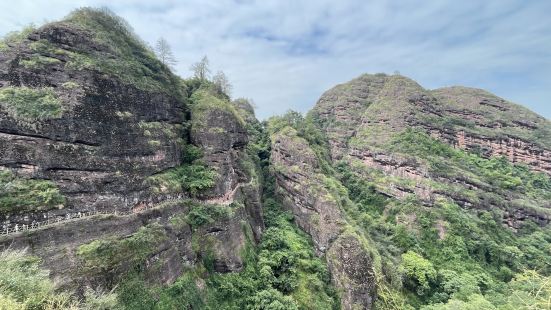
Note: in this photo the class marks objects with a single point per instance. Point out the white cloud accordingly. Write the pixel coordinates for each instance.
(284, 54)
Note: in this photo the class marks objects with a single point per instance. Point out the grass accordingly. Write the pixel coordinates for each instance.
(24, 285)
(19, 194)
(38, 62)
(204, 101)
(107, 255)
(130, 59)
(31, 103)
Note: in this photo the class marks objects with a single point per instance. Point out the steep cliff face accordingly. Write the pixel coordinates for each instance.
(315, 204)
(382, 170)
(94, 133)
(365, 119)
(496, 127)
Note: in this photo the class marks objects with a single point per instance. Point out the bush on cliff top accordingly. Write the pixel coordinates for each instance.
(134, 62)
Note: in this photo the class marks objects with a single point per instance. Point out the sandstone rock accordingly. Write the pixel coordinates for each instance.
(316, 210)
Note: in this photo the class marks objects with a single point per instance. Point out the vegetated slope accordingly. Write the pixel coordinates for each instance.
(448, 190)
(405, 198)
(137, 189)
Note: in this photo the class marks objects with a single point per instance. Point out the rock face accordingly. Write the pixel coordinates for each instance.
(348, 261)
(304, 190)
(363, 118)
(108, 138)
(497, 127)
(223, 139)
(74, 120)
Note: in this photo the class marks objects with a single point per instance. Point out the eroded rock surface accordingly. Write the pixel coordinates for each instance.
(364, 117)
(305, 191)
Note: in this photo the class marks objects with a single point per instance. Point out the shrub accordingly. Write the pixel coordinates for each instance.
(192, 178)
(18, 194)
(419, 271)
(104, 255)
(30, 103)
(25, 286)
(200, 215)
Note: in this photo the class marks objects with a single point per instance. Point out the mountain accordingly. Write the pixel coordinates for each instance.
(124, 186)
(420, 197)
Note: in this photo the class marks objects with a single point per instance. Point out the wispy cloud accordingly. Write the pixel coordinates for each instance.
(284, 54)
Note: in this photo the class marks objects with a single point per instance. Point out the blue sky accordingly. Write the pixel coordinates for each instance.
(285, 54)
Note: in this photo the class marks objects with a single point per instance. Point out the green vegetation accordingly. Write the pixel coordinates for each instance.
(443, 257)
(15, 37)
(30, 103)
(418, 271)
(106, 255)
(131, 60)
(201, 214)
(206, 100)
(19, 194)
(282, 272)
(506, 119)
(507, 184)
(447, 253)
(25, 286)
(192, 176)
(38, 61)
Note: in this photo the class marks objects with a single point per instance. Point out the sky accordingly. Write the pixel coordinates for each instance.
(285, 54)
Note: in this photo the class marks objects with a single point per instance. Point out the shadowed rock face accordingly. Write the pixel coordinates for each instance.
(303, 190)
(222, 147)
(109, 137)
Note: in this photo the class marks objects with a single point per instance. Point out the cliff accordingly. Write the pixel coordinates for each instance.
(365, 119)
(117, 176)
(96, 132)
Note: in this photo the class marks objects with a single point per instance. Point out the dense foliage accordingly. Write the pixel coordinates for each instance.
(444, 256)
(20, 194)
(25, 286)
(452, 255)
(282, 272)
(192, 176)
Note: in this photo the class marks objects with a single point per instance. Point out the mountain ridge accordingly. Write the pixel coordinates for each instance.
(384, 196)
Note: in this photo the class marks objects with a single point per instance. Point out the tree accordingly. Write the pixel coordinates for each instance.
(418, 270)
(164, 52)
(201, 69)
(220, 80)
